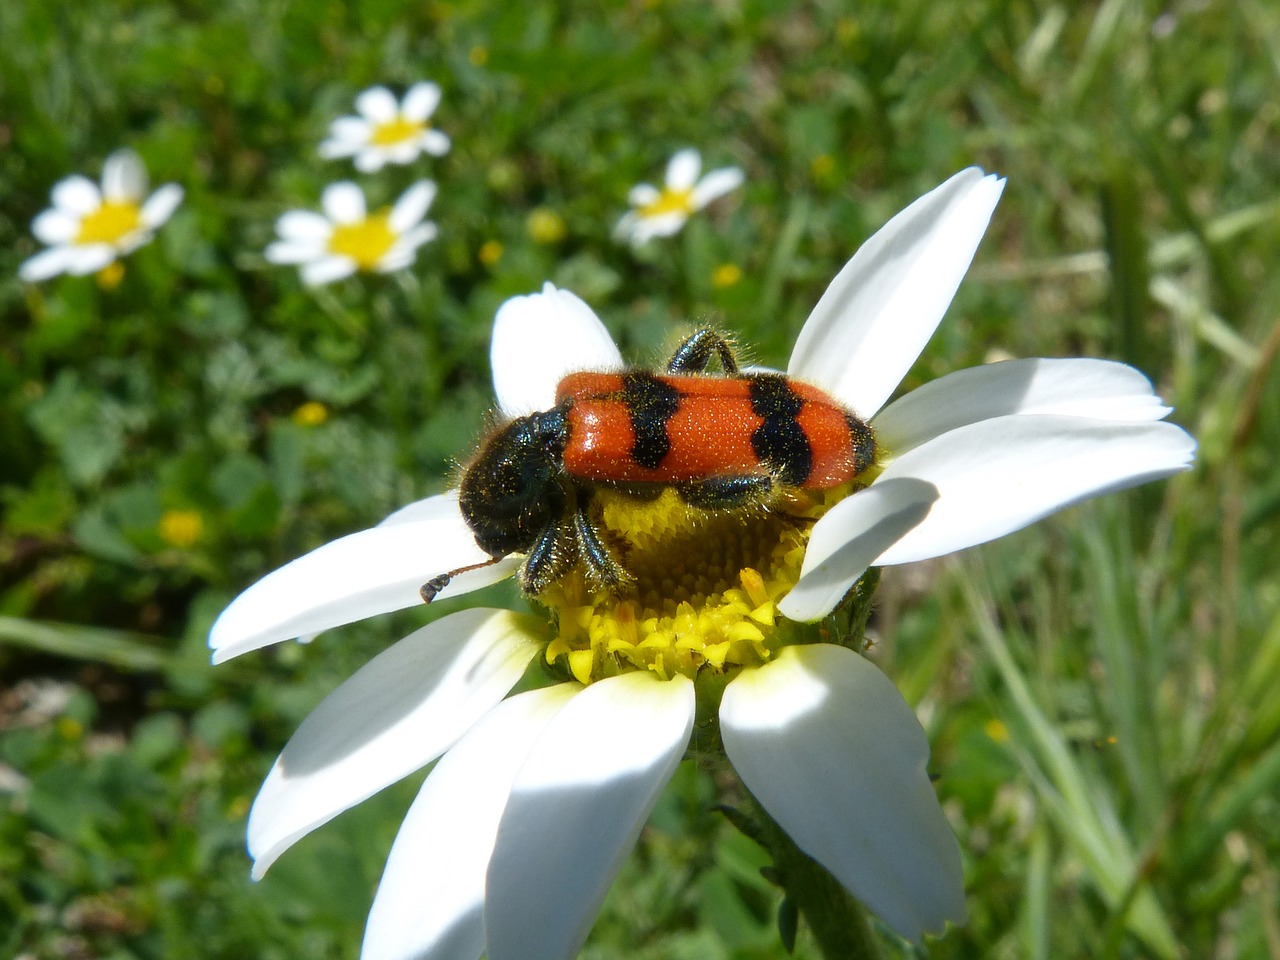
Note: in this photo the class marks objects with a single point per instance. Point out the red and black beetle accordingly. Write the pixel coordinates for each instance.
(722, 442)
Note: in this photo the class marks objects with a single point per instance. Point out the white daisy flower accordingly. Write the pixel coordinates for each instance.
(387, 131)
(525, 820)
(89, 227)
(662, 212)
(348, 238)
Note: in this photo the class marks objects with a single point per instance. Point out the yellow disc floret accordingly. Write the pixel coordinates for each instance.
(703, 588)
(669, 201)
(398, 130)
(110, 223)
(366, 241)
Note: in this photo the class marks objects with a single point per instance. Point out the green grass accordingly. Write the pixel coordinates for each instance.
(1100, 689)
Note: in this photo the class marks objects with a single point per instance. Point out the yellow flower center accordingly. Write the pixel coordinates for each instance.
(181, 528)
(397, 130)
(669, 201)
(366, 241)
(110, 223)
(705, 588)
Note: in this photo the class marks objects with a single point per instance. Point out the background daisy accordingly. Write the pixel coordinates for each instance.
(387, 131)
(662, 211)
(89, 227)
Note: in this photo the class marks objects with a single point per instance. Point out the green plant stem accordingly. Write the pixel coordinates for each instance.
(837, 920)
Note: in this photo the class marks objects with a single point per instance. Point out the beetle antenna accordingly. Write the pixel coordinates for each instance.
(432, 587)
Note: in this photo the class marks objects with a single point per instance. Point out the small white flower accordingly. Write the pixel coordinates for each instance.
(88, 228)
(387, 131)
(662, 212)
(521, 826)
(347, 238)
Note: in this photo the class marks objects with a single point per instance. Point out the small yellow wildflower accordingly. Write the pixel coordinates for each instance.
(726, 275)
(181, 528)
(490, 252)
(545, 226)
(310, 414)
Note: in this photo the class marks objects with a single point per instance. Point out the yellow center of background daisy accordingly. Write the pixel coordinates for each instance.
(396, 131)
(669, 201)
(705, 590)
(110, 223)
(366, 241)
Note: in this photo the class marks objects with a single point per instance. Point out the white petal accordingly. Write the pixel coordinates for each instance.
(161, 204)
(835, 755)
(124, 178)
(539, 338)
(849, 537)
(360, 575)
(412, 206)
(294, 251)
(46, 264)
(76, 195)
(882, 308)
(378, 104)
(327, 270)
(403, 153)
(304, 225)
(624, 230)
(371, 159)
(643, 194)
(353, 131)
(715, 185)
(999, 475)
(435, 143)
(430, 902)
(683, 169)
(55, 226)
(576, 809)
(420, 101)
(336, 149)
(1101, 389)
(408, 244)
(396, 714)
(343, 202)
(661, 225)
(89, 258)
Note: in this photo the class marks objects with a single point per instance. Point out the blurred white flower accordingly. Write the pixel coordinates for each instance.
(347, 238)
(662, 212)
(387, 131)
(88, 227)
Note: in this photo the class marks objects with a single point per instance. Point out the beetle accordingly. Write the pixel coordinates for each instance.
(724, 441)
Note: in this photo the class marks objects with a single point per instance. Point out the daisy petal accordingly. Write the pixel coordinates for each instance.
(343, 202)
(576, 809)
(430, 902)
(54, 226)
(435, 143)
(327, 270)
(643, 194)
(293, 251)
(412, 206)
(849, 537)
(371, 159)
(304, 225)
(420, 101)
(882, 308)
(1099, 389)
(378, 104)
(160, 205)
(539, 338)
(397, 713)
(76, 195)
(828, 746)
(124, 178)
(715, 185)
(683, 169)
(46, 264)
(999, 475)
(89, 259)
(408, 244)
(360, 575)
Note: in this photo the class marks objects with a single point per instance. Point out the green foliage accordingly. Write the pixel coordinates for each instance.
(1100, 689)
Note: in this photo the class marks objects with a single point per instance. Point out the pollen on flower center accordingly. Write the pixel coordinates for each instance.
(365, 241)
(705, 589)
(396, 131)
(669, 201)
(110, 223)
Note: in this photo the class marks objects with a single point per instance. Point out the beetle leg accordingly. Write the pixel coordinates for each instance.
(550, 556)
(726, 493)
(695, 353)
(598, 558)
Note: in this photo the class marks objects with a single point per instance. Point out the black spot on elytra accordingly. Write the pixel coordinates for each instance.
(651, 403)
(780, 442)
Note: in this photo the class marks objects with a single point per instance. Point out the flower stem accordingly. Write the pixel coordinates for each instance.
(837, 920)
